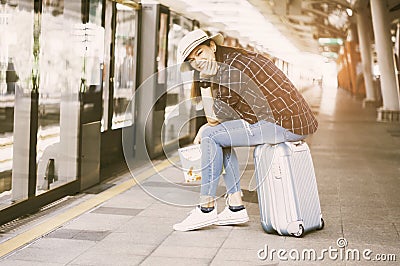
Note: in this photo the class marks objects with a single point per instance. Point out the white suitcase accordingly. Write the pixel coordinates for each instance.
(287, 189)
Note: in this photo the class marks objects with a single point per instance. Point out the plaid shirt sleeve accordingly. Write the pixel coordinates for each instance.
(252, 88)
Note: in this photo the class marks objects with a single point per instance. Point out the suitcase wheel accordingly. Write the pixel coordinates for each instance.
(322, 224)
(299, 233)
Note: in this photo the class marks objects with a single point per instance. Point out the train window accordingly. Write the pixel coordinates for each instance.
(63, 74)
(16, 64)
(105, 120)
(125, 44)
(95, 11)
(162, 48)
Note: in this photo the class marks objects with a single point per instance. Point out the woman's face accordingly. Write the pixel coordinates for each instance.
(201, 54)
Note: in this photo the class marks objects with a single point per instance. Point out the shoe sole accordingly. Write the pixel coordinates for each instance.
(231, 222)
(198, 226)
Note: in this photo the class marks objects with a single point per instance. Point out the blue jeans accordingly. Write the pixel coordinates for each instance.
(217, 151)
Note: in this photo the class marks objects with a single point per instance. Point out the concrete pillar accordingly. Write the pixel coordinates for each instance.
(364, 37)
(383, 44)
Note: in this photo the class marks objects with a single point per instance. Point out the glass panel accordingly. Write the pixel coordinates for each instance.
(179, 107)
(95, 12)
(124, 66)
(162, 48)
(106, 66)
(16, 42)
(94, 45)
(62, 74)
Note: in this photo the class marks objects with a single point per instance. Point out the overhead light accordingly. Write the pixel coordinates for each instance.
(349, 12)
(330, 55)
(330, 41)
(337, 18)
(351, 2)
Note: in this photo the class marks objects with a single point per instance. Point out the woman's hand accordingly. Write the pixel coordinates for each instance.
(197, 139)
(208, 69)
(212, 122)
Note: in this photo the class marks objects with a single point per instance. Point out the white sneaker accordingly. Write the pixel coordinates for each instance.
(197, 219)
(227, 217)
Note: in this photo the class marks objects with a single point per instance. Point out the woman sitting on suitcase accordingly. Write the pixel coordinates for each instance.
(253, 103)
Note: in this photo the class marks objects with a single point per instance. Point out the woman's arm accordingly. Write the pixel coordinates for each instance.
(208, 103)
(212, 123)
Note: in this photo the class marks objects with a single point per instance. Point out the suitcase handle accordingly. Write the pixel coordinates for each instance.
(297, 143)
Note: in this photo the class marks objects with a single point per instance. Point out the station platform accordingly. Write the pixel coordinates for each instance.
(358, 174)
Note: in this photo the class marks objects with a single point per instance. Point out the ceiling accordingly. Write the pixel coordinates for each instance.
(305, 21)
(279, 26)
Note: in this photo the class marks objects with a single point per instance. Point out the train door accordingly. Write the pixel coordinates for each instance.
(120, 82)
(153, 78)
(44, 82)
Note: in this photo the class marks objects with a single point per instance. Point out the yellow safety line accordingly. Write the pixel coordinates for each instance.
(54, 222)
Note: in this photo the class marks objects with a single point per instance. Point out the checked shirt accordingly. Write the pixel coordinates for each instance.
(249, 86)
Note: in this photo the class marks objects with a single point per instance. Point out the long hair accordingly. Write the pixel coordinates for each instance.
(220, 52)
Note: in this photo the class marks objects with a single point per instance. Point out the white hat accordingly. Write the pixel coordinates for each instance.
(191, 41)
